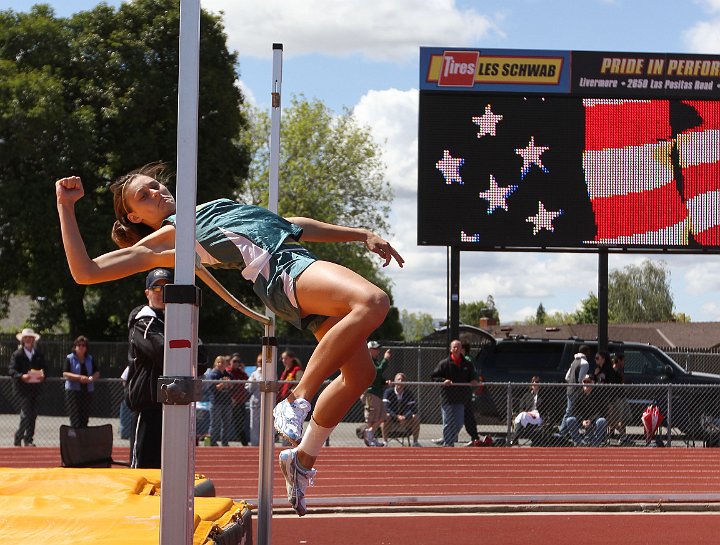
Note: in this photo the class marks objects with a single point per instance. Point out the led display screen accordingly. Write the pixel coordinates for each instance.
(568, 166)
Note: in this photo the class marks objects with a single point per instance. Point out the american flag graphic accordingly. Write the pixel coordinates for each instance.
(561, 171)
(649, 185)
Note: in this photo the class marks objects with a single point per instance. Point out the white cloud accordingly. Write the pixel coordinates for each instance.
(711, 5)
(376, 30)
(247, 93)
(702, 278)
(392, 115)
(704, 37)
(711, 311)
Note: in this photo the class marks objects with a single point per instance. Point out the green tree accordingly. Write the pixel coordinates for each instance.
(540, 315)
(96, 95)
(331, 170)
(640, 293)
(416, 325)
(470, 313)
(588, 311)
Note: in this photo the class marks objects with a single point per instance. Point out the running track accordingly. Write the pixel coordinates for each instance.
(623, 496)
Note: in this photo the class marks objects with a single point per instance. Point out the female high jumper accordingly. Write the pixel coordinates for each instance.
(340, 307)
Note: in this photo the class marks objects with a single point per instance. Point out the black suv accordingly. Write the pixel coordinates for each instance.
(517, 359)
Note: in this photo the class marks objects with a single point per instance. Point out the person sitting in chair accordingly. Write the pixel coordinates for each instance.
(529, 414)
(401, 410)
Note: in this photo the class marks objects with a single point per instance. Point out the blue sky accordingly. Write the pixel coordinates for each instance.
(363, 55)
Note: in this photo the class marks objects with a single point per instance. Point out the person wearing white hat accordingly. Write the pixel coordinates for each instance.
(27, 369)
(372, 398)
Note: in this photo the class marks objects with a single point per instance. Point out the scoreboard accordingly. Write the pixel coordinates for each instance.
(558, 150)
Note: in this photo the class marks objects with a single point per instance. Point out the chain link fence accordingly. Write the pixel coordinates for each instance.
(691, 412)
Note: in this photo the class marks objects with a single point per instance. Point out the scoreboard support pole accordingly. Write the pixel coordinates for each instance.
(603, 299)
(454, 320)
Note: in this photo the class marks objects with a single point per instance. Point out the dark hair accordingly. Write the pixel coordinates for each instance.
(124, 232)
(605, 356)
(584, 349)
(81, 339)
(535, 378)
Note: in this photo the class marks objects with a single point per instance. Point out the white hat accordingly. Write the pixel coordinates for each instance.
(27, 332)
(373, 344)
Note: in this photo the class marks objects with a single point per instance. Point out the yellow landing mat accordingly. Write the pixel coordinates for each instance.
(59, 506)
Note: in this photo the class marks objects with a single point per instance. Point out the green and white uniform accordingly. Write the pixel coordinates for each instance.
(262, 245)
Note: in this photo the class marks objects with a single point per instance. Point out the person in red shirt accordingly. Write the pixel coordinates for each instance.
(293, 371)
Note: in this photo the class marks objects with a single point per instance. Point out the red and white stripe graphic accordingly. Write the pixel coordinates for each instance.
(629, 173)
(699, 155)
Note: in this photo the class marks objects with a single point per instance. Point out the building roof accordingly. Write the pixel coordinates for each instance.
(666, 334)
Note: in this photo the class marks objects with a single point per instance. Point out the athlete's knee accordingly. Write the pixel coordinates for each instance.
(377, 304)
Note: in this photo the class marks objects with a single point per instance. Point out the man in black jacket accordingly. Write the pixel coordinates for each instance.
(145, 363)
(27, 369)
(401, 411)
(453, 370)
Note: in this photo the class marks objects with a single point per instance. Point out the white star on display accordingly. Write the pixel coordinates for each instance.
(531, 154)
(487, 122)
(496, 196)
(543, 219)
(450, 167)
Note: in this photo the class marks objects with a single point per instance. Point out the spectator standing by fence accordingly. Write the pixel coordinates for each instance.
(221, 421)
(253, 389)
(239, 397)
(575, 373)
(80, 373)
(27, 369)
(451, 371)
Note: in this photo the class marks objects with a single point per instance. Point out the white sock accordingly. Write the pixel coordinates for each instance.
(314, 438)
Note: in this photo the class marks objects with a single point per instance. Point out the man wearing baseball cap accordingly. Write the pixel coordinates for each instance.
(374, 409)
(145, 364)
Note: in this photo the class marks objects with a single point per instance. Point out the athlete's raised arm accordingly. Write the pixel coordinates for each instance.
(318, 231)
(155, 250)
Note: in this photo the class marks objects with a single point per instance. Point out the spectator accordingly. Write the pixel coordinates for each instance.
(469, 417)
(588, 416)
(618, 363)
(221, 420)
(577, 370)
(238, 398)
(253, 389)
(292, 371)
(529, 414)
(27, 369)
(618, 411)
(203, 409)
(373, 407)
(80, 372)
(145, 364)
(401, 410)
(451, 371)
(604, 371)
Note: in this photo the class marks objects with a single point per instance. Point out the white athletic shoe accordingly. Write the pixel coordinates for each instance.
(297, 479)
(289, 418)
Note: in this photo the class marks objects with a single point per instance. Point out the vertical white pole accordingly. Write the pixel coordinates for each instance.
(267, 402)
(181, 319)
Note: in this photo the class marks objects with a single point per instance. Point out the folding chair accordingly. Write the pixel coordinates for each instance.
(87, 447)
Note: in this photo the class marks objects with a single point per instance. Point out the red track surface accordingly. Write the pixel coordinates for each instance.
(528, 529)
(483, 478)
(353, 476)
